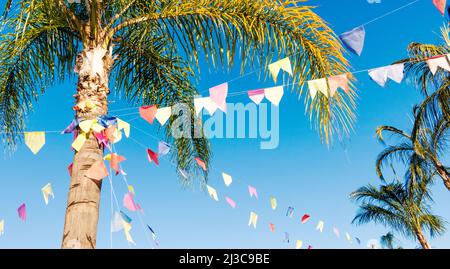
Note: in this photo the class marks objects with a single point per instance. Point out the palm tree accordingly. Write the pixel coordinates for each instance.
(420, 150)
(150, 50)
(388, 241)
(399, 207)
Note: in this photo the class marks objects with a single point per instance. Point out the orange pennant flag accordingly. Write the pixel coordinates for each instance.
(200, 163)
(97, 171)
(148, 113)
(114, 162)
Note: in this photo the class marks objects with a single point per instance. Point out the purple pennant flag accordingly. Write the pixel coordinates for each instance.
(22, 212)
(354, 39)
(72, 126)
(163, 148)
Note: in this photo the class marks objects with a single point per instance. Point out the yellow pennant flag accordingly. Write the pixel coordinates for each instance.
(227, 179)
(318, 85)
(283, 64)
(253, 219)
(125, 126)
(97, 127)
(47, 191)
(131, 189)
(127, 228)
(349, 238)
(34, 141)
(273, 203)
(298, 244)
(163, 114)
(79, 141)
(2, 226)
(212, 192)
(86, 125)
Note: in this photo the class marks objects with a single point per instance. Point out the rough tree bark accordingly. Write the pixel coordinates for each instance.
(421, 238)
(80, 227)
(443, 173)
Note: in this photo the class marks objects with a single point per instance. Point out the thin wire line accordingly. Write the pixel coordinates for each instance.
(389, 13)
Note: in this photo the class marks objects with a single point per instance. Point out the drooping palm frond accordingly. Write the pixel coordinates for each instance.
(256, 32)
(41, 51)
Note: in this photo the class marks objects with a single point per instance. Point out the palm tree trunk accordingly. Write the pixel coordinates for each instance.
(443, 173)
(82, 213)
(421, 238)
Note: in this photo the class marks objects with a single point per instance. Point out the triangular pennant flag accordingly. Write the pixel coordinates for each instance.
(227, 179)
(152, 156)
(102, 139)
(79, 141)
(253, 219)
(206, 103)
(127, 228)
(72, 126)
(298, 244)
(438, 61)
(131, 189)
(69, 168)
(22, 211)
(256, 95)
(272, 227)
(317, 85)
(128, 202)
(212, 192)
(381, 74)
(320, 226)
(34, 141)
(354, 39)
(97, 171)
(148, 113)
(163, 114)
(440, 5)
(335, 82)
(163, 148)
(123, 125)
(273, 203)
(86, 125)
(2, 227)
(117, 222)
(396, 72)
(218, 95)
(125, 217)
(305, 218)
(252, 191)
(115, 159)
(97, 128)
(107, 121)
(290, 212)
(47, 191)
(200, 163)
(336, 231)
(230, 201)
(274, 94)
(284, 64)
(349, 238)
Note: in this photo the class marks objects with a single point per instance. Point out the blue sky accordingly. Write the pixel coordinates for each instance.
(301, 172)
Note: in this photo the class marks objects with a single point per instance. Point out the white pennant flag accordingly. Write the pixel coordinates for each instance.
(163, 114)
(47, 191)
(274, 94)
(227, 179)
(320, 226)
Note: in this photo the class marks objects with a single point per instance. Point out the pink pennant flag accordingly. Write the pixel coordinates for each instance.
(218, 95)
(148, 113)
(200, 163)
(256, 95)
(152, 156)
(305, 218)
(438, 61)
(272, 227)
(69, 168)
(97, 171)
(336, 82)
(102, 139)
(336, 231)
(128, 202)
(252, 191)
(22, 212)
(114, 162)
(440, 5)
(230, 202)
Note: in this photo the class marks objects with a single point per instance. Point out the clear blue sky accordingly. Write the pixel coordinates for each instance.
(301, 172)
